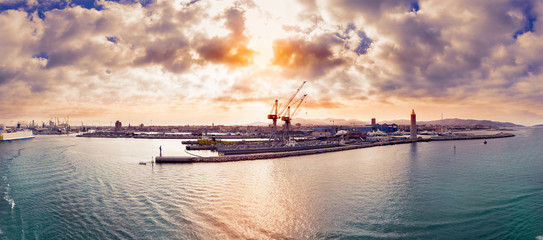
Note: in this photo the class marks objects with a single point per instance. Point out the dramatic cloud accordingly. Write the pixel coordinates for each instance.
(230, 50)
(359, 57)
(312, 59)
(447, 49)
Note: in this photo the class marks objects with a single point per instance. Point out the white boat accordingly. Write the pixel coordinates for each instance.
(15, 135)
(377, 133)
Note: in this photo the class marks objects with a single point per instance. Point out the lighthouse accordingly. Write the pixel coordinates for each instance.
(413, 125)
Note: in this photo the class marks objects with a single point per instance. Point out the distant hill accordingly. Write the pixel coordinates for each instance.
(539, 125)
(399, 122)
(259, 124)
(347, 122)
(470, 122)
(329, 121)
(456, 122)
(320, 122)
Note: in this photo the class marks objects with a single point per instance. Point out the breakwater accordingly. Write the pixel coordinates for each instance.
(259, 156)
(230, 158)
(471, 137)
(201, 147)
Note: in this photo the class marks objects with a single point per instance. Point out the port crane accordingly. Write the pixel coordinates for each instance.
(277, 110)
(273, 116)
(288, 117)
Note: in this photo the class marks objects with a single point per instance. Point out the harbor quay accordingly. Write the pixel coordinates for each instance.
(231, 158)
(259, 156)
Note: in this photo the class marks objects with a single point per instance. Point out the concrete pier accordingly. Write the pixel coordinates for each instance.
(231, 158)
(470, 137)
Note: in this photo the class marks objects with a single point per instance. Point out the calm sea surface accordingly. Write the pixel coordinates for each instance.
(63, 187)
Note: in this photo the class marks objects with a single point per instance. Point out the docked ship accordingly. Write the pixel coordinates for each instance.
(15, 135)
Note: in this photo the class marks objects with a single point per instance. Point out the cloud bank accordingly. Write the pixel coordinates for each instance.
(105, 57)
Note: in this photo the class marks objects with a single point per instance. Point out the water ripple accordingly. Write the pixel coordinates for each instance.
(94, 188)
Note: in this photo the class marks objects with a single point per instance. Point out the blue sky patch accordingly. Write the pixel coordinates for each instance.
(529, 19)
(364, 44)
(345, 35)
(113, 39)
(192, 2)
(414, 7)
(48, 5)
(41, 55)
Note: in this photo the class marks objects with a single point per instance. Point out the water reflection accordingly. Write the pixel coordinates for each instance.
(269, 199)
(306, 197)
(410, 191)
(413, 150)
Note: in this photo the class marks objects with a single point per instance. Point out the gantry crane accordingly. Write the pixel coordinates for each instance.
(277, 111)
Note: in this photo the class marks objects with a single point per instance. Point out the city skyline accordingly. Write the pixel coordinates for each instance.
(203, 62)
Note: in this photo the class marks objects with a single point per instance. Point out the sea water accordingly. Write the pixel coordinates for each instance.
(65, 187)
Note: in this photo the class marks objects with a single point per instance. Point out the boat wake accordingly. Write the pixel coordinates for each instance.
(539, 237)
(5, 185)
(16, 155)
(7, 197)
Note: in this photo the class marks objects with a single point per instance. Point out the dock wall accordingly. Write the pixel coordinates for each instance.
(230, 158)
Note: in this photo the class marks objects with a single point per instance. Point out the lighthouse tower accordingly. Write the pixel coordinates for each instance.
(413, 125)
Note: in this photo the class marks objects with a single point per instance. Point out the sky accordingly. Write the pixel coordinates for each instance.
(179, 62)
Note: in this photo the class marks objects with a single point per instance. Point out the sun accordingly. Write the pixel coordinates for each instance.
(267, 24)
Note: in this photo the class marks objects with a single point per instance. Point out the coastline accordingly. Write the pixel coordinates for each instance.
(259, 156)
(163, 136)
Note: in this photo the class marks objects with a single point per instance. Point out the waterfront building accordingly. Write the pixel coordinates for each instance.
(413, 129)
(325, 131)
(384, 128)
(118, 125)
(321, 134)
(365, 129)
(373, 122)
(387, 128)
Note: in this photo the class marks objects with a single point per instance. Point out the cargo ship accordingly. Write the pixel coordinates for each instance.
(15, 135)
